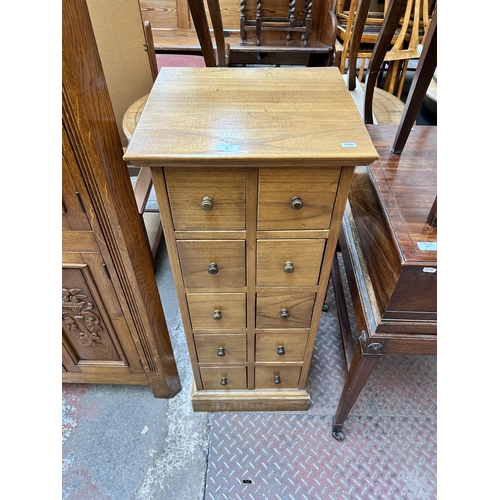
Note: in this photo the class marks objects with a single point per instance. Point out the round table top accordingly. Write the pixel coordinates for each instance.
(132, 115)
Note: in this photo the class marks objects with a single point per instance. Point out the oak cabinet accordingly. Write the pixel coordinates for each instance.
(251, 201)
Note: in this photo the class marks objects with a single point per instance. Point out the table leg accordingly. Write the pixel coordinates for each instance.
(359, 371)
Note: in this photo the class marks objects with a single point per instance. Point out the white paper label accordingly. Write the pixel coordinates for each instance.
(231, 148)
(427, 245)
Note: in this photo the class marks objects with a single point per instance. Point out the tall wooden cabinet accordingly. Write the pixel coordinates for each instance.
(251, 169)
(113, 326)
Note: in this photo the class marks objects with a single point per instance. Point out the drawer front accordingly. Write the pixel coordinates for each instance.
(221, 191)
(294, 262)
(279, 347)
(221, 349)
(212, 264)
(223, 378)
(290, 310)
(277, 377)
(217, 310)
(311, 191)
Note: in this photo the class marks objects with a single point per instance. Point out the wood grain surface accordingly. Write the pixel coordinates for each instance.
(274, 116)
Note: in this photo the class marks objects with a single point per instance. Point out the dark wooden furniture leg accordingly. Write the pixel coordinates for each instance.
(359, 364)
(361, 367)
(243, 21)
(421, 80)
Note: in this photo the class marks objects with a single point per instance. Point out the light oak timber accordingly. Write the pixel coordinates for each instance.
(169, 231)
(291, 128)
(267, 346)
(251, 195)
(234, 348)
(257, 400)
(93, 378)
(316, 102)
(305, 256)
(79, 241)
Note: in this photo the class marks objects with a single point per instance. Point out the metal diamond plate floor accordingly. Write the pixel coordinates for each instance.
(390, 449)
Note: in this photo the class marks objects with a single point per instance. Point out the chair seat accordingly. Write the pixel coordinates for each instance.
(387, 108)
(179, 61)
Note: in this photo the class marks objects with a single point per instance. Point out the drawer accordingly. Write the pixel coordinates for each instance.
(217, 310)
(212, 263)
(296, 198)
(223, 191)
(223, 378)
(221, 349)
(277, 377)
(288, 310)
(294, 262)
(280, 346)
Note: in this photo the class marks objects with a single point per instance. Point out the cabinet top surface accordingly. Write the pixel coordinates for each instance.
(236, 116)
(407, 186)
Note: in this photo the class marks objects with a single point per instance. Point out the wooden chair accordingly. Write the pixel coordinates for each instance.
(362, 30)
(376, 105)
(388, 245)
(345, 11)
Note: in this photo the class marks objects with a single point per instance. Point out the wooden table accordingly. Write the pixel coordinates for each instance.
(390, 255)
(251, 168)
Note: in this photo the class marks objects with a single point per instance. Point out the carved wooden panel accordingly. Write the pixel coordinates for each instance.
(85, 324)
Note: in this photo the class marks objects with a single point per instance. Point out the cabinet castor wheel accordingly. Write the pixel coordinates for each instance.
(325, 307)
(338, 435)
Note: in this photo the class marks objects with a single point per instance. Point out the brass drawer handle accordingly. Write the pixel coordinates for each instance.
(288, 267)
(281, 350)
(297, 203)
(284, 314)
(277, 379)
(221, 352)
(207, 204)
(212, 268)
(217, 315)
(223, 381)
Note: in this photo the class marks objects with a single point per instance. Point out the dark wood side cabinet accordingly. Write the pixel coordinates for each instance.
(113, 326)
(389, 251)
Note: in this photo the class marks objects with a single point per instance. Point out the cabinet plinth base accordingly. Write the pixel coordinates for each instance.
(255, 400)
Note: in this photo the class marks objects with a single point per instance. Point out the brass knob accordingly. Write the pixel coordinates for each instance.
(212, 268)
(217, 315)
(277, 379)
(288, 267)
(207, 204)
(281, 350)
(284, 314)
(223, 381)
(221, 352)
(297, 203)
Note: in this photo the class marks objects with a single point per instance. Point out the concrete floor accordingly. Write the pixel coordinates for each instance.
(119, 442)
